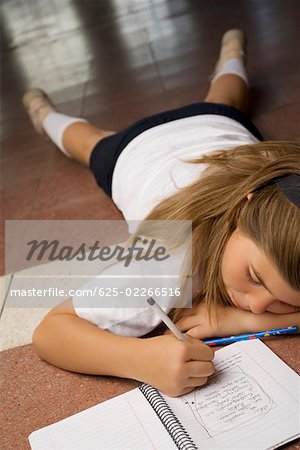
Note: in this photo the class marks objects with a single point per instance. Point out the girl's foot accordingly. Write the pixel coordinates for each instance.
(38, 106)
(233, 46)
(56, 126)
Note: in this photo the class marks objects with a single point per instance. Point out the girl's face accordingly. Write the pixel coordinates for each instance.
(252, 282)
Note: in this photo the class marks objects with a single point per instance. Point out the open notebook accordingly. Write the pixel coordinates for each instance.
(252, 402)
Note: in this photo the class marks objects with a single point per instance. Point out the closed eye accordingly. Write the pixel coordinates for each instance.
(249, 278)
(261, 283)
(295, 308)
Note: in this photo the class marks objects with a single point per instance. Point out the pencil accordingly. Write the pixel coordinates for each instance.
(167, 321)
(246, 337)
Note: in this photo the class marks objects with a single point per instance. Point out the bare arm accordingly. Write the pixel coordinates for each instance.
(232, 321)
(72, 343)
(271, 320)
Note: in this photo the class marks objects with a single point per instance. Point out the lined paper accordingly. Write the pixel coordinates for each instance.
(124, 422)
(253, 401)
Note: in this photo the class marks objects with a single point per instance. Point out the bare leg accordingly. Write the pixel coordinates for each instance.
(229, 84)
(79, 139)
(230, 90)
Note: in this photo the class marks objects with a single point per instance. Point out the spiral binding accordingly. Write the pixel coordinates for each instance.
(176, 430)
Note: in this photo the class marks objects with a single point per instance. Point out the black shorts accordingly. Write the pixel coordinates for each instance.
(105, 154)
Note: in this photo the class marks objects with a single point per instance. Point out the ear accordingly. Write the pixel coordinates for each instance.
(249, 196)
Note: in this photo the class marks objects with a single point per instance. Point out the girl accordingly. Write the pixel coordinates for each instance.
(206, 163)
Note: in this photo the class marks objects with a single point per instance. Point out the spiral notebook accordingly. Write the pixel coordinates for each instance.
(252, 402)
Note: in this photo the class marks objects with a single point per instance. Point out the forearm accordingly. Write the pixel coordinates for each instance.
(74, 344)
(232, 321)
(267, 321)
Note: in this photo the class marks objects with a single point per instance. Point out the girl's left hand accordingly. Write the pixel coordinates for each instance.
(231, 321)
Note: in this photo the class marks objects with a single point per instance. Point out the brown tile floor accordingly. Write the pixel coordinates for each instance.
(99, 58)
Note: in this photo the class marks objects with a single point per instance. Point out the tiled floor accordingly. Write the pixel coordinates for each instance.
(115, 61)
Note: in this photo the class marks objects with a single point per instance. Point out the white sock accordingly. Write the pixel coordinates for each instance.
(55, 124)
(234, 66)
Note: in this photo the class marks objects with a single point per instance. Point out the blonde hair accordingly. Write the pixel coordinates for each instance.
(217, 202)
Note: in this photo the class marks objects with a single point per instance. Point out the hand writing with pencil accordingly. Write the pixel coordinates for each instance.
(176, 367)
(182, 362)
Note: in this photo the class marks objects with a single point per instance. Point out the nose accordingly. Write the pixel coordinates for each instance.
(258, 303)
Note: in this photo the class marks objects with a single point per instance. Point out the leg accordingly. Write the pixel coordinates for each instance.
(73, 136)
(229, 84)
(229, 89)
(79, 139)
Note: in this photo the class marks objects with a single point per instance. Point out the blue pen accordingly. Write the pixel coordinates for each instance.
(246, 337)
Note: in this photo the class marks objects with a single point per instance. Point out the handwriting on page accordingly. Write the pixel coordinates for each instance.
(230, 399)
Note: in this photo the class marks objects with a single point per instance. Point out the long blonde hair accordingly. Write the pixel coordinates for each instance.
(217, 202)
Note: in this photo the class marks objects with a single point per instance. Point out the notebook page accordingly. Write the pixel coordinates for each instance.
(124, 422)
(252, 402)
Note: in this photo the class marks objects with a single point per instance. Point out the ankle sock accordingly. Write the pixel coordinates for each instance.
(233, 66)
(55, 125)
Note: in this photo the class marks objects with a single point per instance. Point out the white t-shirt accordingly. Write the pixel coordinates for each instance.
(150, 169)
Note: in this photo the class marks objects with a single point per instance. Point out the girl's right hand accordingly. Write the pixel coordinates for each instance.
(176, 367)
